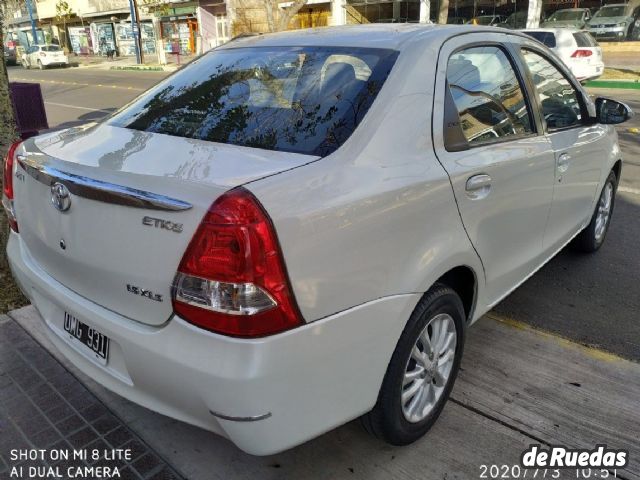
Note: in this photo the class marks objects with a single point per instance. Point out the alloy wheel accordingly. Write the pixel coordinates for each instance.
(604, 212)
(428, 368)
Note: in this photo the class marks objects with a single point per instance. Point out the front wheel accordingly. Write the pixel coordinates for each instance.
(40, 65)
(422, 370)
(592, 237)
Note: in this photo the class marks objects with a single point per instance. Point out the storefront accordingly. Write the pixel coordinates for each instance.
(179, 34)
(80, 40)
(126, 39)
(382, 11)
(179, 29)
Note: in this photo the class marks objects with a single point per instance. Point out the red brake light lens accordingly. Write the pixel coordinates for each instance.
(7, 185)
(581, 53)
(232, 279)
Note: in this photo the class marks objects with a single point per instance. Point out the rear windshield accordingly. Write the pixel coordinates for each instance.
(296, 99)
(548, 38)
(50, 48)
(584, 39)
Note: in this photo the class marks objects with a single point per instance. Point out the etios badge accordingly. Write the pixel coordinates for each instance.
(60, 197)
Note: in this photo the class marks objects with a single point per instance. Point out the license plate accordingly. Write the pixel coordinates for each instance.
(88, 336)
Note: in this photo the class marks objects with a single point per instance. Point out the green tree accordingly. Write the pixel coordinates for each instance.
(64, 14)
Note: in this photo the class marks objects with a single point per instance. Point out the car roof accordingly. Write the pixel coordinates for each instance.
(378, 35)
(552, 30)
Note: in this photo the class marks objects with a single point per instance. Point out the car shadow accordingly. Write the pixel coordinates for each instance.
(593, 298)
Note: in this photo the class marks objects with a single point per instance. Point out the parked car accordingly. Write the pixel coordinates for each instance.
(297, 229)
(44, 56)
(515, 21)
(614, 22)
(577, 49)
(10, 56)
(456, 20)
(11, 43)
(486, 20)
(575, 18)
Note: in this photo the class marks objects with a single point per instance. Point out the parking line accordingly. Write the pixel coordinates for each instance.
(77, 107)
(590, 350)
(633, 191)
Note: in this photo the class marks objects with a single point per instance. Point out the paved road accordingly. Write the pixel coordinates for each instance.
(593, 299)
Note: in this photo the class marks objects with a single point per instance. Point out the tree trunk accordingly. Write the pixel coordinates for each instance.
(7, 120)
(287, 14)
(443, 12)
(533, 15)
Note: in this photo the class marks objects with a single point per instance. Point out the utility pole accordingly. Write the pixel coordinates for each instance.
(132, 9)
(33, 22)
(139, 39)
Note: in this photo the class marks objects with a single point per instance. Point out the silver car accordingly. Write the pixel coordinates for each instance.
(297, 229)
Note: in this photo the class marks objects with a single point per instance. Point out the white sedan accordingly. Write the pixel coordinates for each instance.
(296, 229)
(44, 56)
(577, 49)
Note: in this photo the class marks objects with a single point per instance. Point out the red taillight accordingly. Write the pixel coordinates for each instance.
(11, 44)
(7, 185)
(581, 53)
(232, 279)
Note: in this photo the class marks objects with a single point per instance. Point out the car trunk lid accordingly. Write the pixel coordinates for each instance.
(135, 200)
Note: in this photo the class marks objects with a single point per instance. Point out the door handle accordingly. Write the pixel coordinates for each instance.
(478, 186)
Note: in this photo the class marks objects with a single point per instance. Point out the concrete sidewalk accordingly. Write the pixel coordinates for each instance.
(517, 387)
(151, 62)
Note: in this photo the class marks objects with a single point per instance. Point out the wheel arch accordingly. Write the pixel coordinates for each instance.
(464, 281)
(617, 169)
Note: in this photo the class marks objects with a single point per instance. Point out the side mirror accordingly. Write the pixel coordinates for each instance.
(611, 112)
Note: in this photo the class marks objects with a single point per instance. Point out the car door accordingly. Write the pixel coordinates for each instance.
(500, 163)
(579, 146)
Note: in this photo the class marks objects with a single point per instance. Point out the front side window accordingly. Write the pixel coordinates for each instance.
(297, 99)
(558, 98)
(487, 95)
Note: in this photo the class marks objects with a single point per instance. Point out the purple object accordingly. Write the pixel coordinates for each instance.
(28, 107)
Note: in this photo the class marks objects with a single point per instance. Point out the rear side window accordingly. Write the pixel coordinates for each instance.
(584, 39)
(297, 99)
(548, 38)
(559, 100)
(50, 48)
(487, 95)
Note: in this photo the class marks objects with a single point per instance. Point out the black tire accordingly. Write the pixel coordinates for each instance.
(40, 65)
(587, 241)
(387, 421)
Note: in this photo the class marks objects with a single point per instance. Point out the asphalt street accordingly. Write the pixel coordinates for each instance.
(593, 299)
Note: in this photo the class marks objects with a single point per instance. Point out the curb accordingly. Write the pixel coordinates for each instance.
(141, 68)
(624, 84)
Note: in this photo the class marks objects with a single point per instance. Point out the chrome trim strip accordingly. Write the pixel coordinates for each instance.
(241, 419)
(101, 191)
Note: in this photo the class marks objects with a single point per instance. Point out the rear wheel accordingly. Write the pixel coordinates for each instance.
(422, 370)
(592, 237)
(25, 65)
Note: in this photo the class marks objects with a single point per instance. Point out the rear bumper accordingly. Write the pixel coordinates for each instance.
(265, 395)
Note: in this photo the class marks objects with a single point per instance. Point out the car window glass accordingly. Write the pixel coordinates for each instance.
(547, 38)
(487, 95)
(51, 48)
(297, 99)
(558, 98)
(584, 39)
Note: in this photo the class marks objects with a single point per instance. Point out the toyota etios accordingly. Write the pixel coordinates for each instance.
(296, 229)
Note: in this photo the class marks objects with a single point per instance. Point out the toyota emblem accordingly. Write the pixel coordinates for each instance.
(60, 197)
